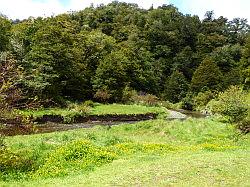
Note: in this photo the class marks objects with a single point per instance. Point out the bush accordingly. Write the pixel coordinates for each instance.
(244, 125)
(147, 99)
(89, 103)
(128, 94)
(132, 97)
(14, 165)
(102, 96)
(79, 154)
(202, 99)
(81, 108)
(187, 102)
(231, 103)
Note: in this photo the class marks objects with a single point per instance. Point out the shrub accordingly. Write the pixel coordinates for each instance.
(89, 103)
(128, 94)
(244, 125)
(231, 103)
(102, 96)
(81, 108)
(13, 165)
(147, 99)
(187, 102)
(202, 99)
(10, 76)
(78, 154)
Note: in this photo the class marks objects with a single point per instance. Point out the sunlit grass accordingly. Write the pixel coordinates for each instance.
(98, 109)
(152, 153)
(124, 109)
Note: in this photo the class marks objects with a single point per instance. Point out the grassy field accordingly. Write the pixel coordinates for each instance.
(194, 152)
(124, 109)
(98, 109)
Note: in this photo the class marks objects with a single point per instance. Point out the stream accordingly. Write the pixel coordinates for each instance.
(12, 130)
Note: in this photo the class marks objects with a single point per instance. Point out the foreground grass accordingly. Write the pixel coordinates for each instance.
(184, 169)
(153, 153)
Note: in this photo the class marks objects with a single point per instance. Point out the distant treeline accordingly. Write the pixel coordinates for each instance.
(102, 52)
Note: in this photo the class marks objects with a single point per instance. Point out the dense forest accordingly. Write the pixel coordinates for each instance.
(107, 52)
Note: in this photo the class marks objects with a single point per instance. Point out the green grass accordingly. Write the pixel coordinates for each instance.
(98, 109)
(194, 152)
(124, 109)
(48, 111)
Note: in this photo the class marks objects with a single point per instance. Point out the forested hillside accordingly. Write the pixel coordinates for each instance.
(101, 53)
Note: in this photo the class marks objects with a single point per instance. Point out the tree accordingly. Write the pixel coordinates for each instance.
(237, 30)
(176, 87)
(89, 49)
(10, 77)
(110, 75)
(186, 62)
(5, 27)
(206, 76)
(245, 63)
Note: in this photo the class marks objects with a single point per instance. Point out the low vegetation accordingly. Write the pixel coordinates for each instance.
(171, 153)
(75, 110)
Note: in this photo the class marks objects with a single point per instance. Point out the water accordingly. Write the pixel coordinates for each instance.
(193, 114)
(12, 130)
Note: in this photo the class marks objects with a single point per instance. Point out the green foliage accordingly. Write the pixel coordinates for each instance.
(2, 145)
(128, 94)
(245, 63)
(147, 99)
(206, 76)
(102, 95)
(79, 154)
(89, 103)
(169, 105)
(82, 108)
(110, 75)
(187, 103)
(95, 53)
(201, 100)
(10, 162)
(176, 87)
(10, 77)
(231, 103)
(5, 26)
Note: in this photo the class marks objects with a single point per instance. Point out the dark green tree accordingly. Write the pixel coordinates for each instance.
(245, 63)
(110, 75)
(5, 26)
(206, 76)
(176, 87)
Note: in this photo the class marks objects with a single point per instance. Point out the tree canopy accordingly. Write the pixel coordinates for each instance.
(111, 47)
